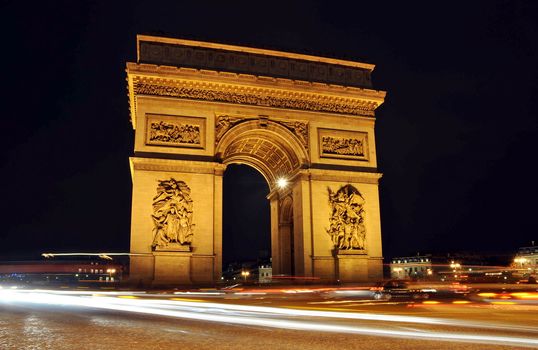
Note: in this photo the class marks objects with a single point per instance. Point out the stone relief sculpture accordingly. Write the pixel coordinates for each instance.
(347, 228)
(223, 124)
(172, 216)
(226, 122)
(342, 146)
(256, 97)
(300, 130)
(176, 133)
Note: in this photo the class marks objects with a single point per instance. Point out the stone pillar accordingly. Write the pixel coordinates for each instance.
(275, 238)
(217, 224)
(302, 226)
(197, 262)
(285, 248)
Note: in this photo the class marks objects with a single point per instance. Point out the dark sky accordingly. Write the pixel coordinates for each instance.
(456, 137)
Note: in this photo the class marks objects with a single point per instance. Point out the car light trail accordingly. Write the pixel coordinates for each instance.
(261, 316)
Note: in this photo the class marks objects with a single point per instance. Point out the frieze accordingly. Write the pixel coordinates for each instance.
(347, 228)
(254, 96)
(175, 131)
(343, 144)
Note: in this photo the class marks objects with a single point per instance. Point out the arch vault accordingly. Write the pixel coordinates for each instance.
(197, 107)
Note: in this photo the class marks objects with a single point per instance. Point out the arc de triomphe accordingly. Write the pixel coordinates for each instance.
(305, 123)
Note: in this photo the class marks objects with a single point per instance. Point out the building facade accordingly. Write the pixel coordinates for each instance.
(414, 267)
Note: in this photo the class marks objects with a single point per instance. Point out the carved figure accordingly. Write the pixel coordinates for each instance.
(346, 227)
(300, 130)
(273, 98)
(172, 214)
(223, 124)
(342, 146)
(162, 131)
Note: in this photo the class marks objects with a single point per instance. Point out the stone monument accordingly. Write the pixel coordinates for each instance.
(197, 107)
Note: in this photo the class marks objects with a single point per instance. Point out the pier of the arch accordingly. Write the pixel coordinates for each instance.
(193, 117)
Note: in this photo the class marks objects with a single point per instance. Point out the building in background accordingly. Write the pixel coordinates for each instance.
(414, 267)
(466, 267)
(60, 272)
(265, 274)
(525, 262)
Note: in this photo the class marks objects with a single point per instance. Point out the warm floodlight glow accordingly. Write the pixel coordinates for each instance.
(282, 182)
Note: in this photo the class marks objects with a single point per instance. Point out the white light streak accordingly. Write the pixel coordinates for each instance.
(174, 308)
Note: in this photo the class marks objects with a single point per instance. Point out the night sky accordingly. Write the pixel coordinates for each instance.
(456, 137)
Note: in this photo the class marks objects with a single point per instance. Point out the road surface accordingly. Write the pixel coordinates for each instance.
(256, 319)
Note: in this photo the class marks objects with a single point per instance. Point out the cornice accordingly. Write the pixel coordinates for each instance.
(338, 176)
(186, 83)
(187, 166)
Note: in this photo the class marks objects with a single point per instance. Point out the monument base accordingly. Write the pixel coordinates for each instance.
(352, 265)
(174, 247)
(172, 267)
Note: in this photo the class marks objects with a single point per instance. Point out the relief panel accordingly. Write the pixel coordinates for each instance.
(343, 144)
(175, 131)
(172, 216)
(347, 229)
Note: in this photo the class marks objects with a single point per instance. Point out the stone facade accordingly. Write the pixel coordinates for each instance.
(192, 120)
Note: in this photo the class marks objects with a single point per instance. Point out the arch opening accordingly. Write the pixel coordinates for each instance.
(246, 220)
(272, 150)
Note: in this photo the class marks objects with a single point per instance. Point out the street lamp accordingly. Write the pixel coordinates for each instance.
(281, 183)
(245, 274)
(110, 273)
(454, 266)
(520, 261)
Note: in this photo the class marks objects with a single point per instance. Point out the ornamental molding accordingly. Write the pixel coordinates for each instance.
(255, 96)
(173, 165)
(244, 89)
(199, 55)
(344, 176)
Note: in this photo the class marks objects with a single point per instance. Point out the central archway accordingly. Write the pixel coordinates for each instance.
(265, 145)
(246, 234)
(277, 154)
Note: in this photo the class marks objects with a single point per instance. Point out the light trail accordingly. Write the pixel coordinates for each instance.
(261, 316)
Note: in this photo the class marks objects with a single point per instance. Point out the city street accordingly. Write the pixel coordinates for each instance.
(309, 318)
